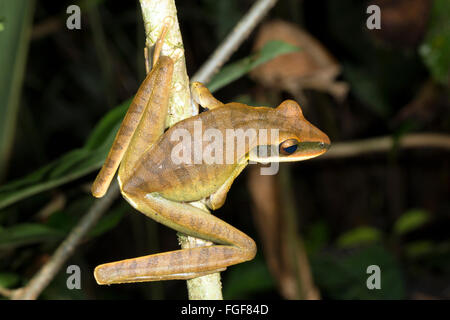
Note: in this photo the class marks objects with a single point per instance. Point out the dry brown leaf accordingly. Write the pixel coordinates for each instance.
(282, 246)
(313, 67)
(423, 107)
(403, 22)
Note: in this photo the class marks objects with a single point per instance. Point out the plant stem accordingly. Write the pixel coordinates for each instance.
(43, 277)
(385, 143)
(154, 12)
(230, 44)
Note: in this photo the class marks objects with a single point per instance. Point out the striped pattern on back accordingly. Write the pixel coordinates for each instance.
(128, 127)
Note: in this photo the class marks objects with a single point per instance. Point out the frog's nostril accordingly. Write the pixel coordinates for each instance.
(324, 145)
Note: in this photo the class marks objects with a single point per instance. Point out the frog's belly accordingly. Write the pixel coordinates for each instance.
(174, 169)
(187, 182)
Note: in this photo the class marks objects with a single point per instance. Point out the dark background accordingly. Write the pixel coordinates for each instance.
(349, 210)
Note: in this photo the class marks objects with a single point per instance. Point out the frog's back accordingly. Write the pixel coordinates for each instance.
(175, 165)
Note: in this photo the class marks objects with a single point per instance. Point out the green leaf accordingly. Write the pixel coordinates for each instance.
(69, 167)
(359, 236)
(344, 276)
(109, 221)
(106, 129)
(417, 249)
(27, 233)
(367, 89)
(16, 18)
(72, 165)
(57, 288)
(410, 221)
(65, 220)
(316, 236)
(435, 50)
(231, 72)
(248, 278)
(8, 279)
(62, 221)
(80, 162)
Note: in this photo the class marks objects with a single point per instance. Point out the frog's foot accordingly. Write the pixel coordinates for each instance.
(167, 24)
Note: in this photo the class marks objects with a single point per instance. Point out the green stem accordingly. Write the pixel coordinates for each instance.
(207, 287)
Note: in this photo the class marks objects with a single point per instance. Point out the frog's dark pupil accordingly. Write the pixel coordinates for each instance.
(290, 149)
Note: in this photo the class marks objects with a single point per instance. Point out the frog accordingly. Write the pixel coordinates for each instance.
(156, 183)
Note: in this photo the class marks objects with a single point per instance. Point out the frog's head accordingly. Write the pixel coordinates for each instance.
(297, 138)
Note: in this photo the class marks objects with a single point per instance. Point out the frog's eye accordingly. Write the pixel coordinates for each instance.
(288, 147)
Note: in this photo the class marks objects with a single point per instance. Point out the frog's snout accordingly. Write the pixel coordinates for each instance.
(324, 141)
(324, 146)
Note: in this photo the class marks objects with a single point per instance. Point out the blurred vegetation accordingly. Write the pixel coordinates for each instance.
(63, 93)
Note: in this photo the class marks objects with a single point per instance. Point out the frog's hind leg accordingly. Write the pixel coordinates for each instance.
(167, 23)
(233, 246)
(126, 132)
(152, 123)
(149, 106)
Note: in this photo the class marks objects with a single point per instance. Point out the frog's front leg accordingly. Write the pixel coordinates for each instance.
(217, 199)
(202, 96)
(231, 245)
